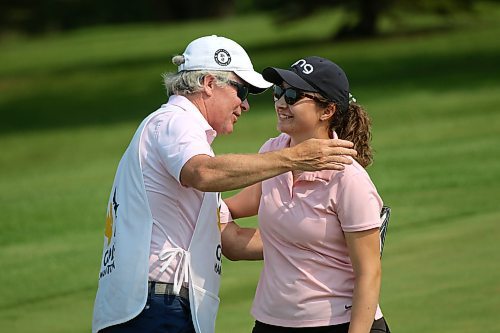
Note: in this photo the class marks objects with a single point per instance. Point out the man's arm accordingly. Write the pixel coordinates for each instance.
(233, 171)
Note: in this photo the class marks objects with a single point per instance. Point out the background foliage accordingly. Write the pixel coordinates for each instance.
(360, 17)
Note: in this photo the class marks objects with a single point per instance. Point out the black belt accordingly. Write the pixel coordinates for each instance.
(162, 288)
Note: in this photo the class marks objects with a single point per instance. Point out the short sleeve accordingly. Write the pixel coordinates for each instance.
(179, 139)
(358, 204)
(276, 143)
(225, 214)
(265, 147)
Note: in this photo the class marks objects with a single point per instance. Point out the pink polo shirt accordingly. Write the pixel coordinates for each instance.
(169, 140)
(307, 279)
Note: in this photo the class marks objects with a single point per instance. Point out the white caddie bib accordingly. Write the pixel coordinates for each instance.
(123, 277)
(205, 265)
(200, 265)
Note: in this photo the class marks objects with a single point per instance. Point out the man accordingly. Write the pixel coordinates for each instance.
(161, 260)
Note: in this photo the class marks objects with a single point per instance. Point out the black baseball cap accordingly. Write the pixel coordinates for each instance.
(314, 74)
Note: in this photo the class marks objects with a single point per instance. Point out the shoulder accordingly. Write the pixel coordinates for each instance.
(173, 120)
(354, 170)
(277, 143)
(353, 178)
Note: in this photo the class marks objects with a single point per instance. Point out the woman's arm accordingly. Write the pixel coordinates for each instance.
(364, 251)
(242, 243)
(246, 202)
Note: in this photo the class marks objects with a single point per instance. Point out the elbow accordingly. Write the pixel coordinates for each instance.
(371, 275)
(202, 184)
(375, 272)
(230, 255)
(374, 277)
(230, 249)
(231, 242)
(200, 179)
(241, 243)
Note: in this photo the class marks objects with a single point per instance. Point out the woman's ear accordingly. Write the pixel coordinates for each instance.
(328, 112)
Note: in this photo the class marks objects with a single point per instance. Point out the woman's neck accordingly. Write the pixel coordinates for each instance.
(295, 139)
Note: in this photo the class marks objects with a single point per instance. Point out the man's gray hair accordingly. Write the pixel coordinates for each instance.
(189, 82)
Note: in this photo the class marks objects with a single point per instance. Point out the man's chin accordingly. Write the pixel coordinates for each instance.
(227, 130)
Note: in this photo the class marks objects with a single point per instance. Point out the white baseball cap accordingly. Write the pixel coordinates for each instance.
(222, 54)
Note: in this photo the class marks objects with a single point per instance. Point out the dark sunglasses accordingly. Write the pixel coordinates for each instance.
(242, 90)
(292, 95)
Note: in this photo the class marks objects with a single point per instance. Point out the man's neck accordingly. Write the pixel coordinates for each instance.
(199, 102)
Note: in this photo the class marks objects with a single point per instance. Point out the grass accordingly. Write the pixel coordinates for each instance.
(70, 103)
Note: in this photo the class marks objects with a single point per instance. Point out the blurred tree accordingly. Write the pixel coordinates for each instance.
(38, 16)
(361, 19)
(361, 16)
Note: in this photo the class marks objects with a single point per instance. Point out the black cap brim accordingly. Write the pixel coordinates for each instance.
(256, 90)
(255, 81)
(278, 75)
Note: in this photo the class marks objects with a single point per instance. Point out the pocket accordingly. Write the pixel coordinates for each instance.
(205, 305)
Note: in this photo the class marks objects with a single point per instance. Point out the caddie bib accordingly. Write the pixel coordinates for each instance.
(205, 265)
(123, 276)
(200, 265)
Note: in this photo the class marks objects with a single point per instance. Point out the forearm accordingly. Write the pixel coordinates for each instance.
(233, 171)
(365, 302)
(241, 243)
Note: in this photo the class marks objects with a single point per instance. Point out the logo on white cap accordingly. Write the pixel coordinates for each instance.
(222, 57)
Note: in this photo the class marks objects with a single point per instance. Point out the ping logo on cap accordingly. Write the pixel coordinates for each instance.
(306, 68)
(222, 57)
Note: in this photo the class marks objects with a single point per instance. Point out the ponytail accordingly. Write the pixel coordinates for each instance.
(355, 125)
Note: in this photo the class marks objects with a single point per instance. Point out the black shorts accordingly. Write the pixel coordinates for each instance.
(379, 326)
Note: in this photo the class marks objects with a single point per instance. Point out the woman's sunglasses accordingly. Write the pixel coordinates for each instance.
(241, 89)
(292, 95)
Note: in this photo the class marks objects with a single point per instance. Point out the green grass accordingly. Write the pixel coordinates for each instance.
(70, 103)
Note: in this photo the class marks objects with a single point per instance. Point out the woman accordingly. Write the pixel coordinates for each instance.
(320, 230)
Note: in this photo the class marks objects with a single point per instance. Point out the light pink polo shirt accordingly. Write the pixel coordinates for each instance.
(169, 140)
(307, 279)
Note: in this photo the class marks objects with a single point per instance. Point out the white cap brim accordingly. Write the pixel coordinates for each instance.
(254, 79)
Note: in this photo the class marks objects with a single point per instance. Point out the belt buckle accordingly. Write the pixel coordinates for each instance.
(162, 288)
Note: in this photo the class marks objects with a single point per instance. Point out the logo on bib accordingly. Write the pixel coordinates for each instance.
(218, 257)
(222, 57)
(108, 258)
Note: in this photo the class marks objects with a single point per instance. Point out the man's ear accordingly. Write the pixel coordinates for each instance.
(209, 83)
(328, 112)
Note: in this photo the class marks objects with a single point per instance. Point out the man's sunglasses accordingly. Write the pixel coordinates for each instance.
(292, 95)
(242, 90)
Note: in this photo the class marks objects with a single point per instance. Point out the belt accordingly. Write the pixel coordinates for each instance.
(162, 288)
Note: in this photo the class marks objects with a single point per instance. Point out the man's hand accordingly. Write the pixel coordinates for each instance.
(320, 154)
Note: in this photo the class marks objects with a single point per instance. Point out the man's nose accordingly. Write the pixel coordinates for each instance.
(245, 106)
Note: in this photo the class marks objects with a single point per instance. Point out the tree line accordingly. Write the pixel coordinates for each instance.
(41, 16)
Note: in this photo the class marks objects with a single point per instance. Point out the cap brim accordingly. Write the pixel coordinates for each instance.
(278, 75)
(255, 80)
